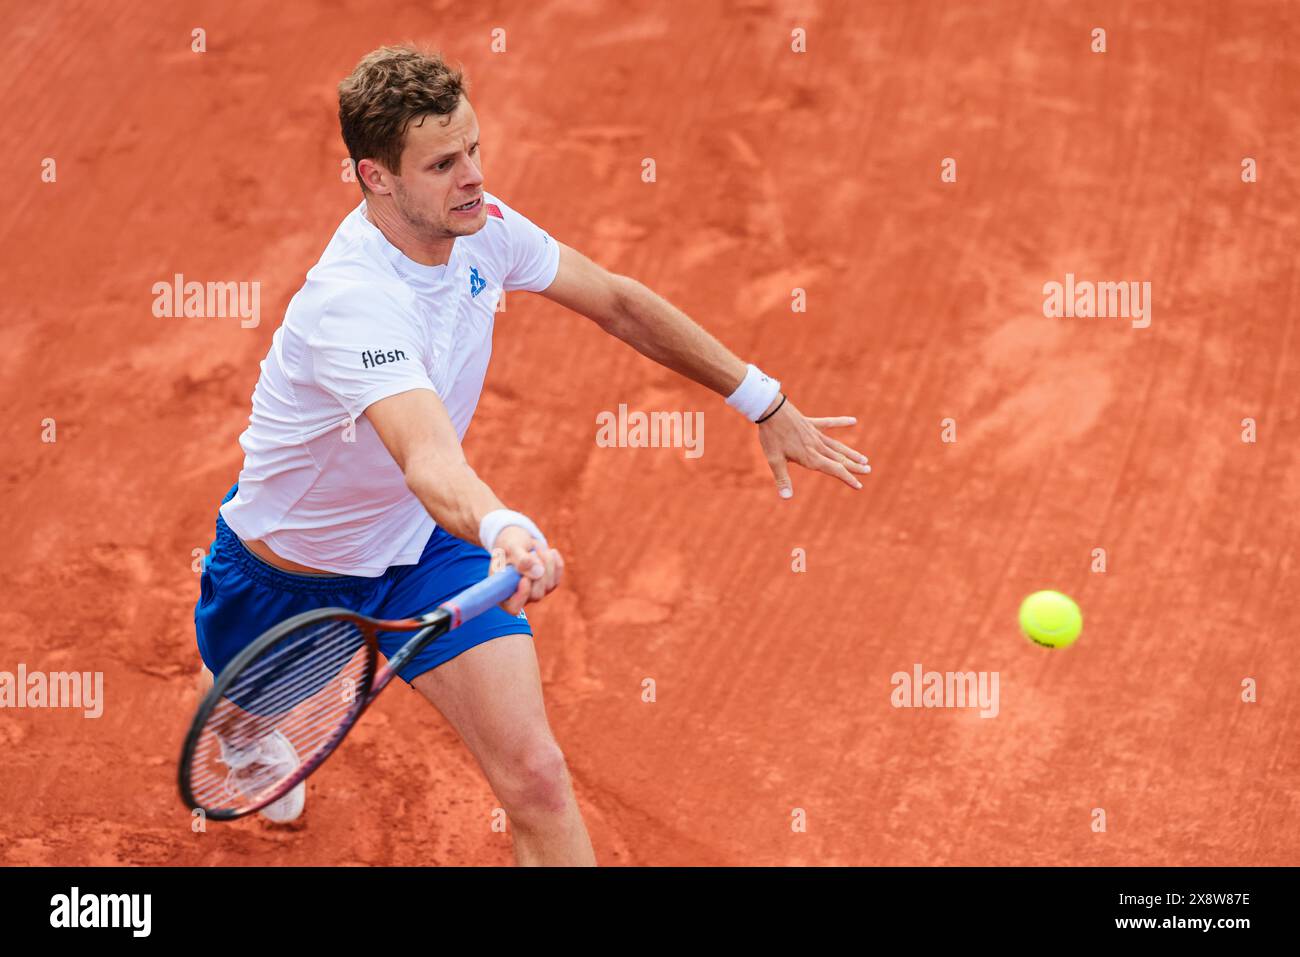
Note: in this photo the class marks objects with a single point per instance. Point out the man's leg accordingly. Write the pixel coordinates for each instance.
(492, 695)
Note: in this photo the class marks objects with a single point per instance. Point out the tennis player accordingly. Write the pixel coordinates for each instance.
(355, 491)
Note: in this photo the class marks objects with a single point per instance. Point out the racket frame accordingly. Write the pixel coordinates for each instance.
(468, 604)
(427, 628)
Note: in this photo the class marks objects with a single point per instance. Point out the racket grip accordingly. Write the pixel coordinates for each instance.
(476, 599)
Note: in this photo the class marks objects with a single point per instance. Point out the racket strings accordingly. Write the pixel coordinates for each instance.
(284, 709)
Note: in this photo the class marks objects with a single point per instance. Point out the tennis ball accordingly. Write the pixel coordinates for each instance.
(1050, 619)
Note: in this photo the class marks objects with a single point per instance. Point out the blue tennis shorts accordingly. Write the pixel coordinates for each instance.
(241, 596)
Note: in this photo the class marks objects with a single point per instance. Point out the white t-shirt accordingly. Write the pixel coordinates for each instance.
(369, 323)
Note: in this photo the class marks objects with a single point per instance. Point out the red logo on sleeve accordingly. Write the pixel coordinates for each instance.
(494, 210)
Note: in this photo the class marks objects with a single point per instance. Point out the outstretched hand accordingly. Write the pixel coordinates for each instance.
(790, 436)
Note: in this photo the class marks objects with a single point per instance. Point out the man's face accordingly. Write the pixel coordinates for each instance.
(441, 173)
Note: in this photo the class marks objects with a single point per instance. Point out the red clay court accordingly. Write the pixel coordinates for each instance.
(776, 171)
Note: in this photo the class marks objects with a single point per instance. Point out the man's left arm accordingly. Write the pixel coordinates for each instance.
(658, 330)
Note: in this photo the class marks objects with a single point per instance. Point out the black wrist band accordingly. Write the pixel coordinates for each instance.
(773, 412)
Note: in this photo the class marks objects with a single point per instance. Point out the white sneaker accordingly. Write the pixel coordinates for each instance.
(272, 758)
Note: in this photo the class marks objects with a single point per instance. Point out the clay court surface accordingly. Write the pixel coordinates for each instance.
(775, 170)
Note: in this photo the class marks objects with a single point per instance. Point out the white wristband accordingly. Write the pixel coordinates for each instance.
(493, 522)
(754, 394)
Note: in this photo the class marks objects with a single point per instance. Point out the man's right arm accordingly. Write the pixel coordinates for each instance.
(417, 431)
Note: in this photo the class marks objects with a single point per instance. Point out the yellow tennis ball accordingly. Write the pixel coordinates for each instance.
(1050, 619)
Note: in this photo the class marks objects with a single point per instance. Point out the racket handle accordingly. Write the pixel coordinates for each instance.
(476, 599)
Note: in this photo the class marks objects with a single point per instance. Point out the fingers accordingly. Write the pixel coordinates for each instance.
(847, 459)
(834, 422)
(832, 467)
(540, 569)
(515, 603)
(552, 567)
(784, 488)
(854, 460)
(521, 551)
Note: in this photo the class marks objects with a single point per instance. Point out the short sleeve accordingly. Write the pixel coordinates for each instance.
(534, 255)
(366, 348)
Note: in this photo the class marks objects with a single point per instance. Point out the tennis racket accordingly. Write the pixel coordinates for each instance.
(283, 705)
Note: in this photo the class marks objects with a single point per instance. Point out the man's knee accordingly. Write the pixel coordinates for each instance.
(532, 779)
